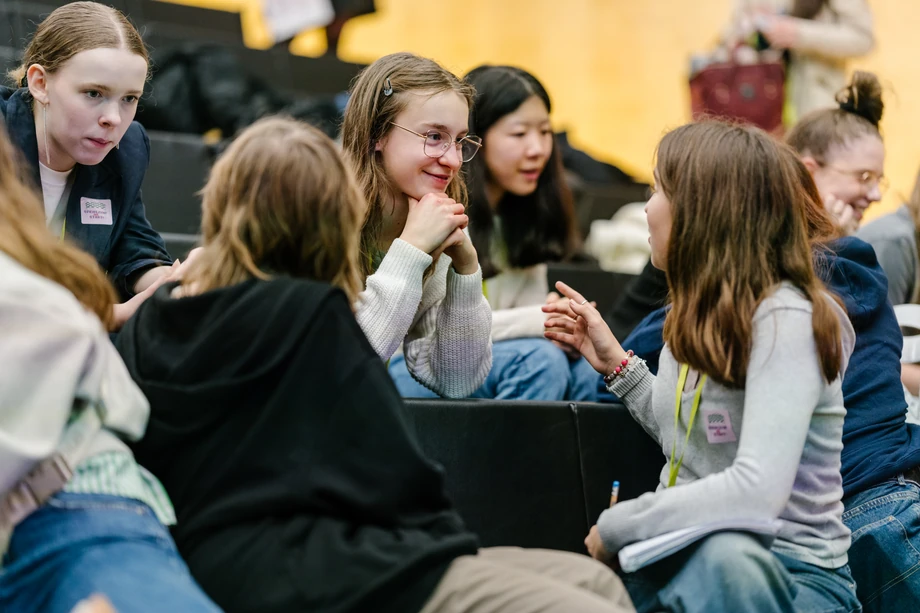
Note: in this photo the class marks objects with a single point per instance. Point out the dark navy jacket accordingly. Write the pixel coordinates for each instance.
(129, 246)
(878, 443)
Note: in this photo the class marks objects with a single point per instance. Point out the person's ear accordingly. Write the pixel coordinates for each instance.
(810, 163)
(37, 78)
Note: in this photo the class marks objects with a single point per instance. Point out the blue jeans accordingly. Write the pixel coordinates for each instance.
(885, 554)
(77, 545)
(522, 369)
(731, 572)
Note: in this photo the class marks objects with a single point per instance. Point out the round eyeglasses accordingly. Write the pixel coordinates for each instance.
(438, 142)
(866, 178)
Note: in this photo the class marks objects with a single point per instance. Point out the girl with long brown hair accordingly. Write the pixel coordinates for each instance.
(747, 402)
(406, 130)
(81, 516)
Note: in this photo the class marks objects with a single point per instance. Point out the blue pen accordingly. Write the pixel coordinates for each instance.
(614, 493)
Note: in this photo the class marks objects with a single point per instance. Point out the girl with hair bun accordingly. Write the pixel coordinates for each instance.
(843, 150)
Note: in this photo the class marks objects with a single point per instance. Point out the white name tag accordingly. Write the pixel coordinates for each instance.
(96, 212)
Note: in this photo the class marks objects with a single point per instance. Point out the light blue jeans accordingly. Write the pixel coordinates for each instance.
(885, 554)
(78, 545)
(731, 572)
(522, 369)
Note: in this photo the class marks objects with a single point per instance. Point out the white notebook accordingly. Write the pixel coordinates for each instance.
(635, 556)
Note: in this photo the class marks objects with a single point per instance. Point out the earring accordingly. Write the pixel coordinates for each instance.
(45, 131)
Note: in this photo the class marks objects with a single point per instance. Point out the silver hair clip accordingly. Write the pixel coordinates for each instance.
(388, 87)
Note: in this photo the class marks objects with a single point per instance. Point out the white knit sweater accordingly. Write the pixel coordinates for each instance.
(517, 296)
(444, 323)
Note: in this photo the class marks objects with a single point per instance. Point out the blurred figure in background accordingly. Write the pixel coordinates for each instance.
(819, 35)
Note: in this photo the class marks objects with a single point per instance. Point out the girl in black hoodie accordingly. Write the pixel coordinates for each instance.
(277, 432)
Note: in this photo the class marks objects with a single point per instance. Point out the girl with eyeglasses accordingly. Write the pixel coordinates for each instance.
(521, 217)
(406, 131)
(843, 149)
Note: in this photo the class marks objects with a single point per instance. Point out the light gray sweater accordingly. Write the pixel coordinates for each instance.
(771, 450)
(894, 239)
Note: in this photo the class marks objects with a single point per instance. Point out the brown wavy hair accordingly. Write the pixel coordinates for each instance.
(76, 27)
(368, 118)
(739, 229)
(25, 238)
(280, 200)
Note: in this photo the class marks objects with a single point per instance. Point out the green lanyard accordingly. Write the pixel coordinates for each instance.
(681, 381)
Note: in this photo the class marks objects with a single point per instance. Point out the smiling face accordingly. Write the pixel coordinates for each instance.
(517, 147)
(89, 103)
(840, 175)
(403, 153)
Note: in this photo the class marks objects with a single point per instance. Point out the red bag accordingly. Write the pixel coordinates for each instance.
(752, 93)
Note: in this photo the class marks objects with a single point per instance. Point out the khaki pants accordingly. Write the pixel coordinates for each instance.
(514, 580)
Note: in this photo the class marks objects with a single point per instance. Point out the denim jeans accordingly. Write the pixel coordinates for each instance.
(522, 369)
(77, 545)
(731, 572)
(885, 554)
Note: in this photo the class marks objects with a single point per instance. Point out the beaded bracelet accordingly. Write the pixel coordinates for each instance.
(622, 370)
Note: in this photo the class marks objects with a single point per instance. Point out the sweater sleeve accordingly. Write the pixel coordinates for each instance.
(35, 412)
(898, 259)
(848, 35)
(777, 419)
(635, 390)
(449, 347)
(519, 322)
(387, 307)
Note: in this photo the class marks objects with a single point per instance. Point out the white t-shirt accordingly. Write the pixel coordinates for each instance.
(54, 184)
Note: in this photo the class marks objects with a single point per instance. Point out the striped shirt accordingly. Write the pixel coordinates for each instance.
(117, 474)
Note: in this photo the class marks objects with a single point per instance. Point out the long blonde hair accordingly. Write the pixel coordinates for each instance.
(73, 28)
(25, 238)
(368, 118)
(280, 200)
(740, 226)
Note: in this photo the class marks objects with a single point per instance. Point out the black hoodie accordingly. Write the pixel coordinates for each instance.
(280, 438)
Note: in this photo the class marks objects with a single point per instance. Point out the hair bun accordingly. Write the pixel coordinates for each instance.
(863, 97)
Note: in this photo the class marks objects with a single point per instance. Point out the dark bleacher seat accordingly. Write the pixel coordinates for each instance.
(179, 165)
(614, 447)
(594, 283)
(603, 201)
(19, 19)
(178, 245)
(517, 470)
(202, 23)
(10, 59)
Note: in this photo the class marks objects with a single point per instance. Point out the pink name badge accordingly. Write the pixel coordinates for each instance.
(96, 212)
(718, 426)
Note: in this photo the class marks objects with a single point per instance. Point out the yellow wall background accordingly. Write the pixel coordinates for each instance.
(616, 69)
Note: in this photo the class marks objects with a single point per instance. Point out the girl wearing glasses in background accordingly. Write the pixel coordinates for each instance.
(406, 132)
(843, 150)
